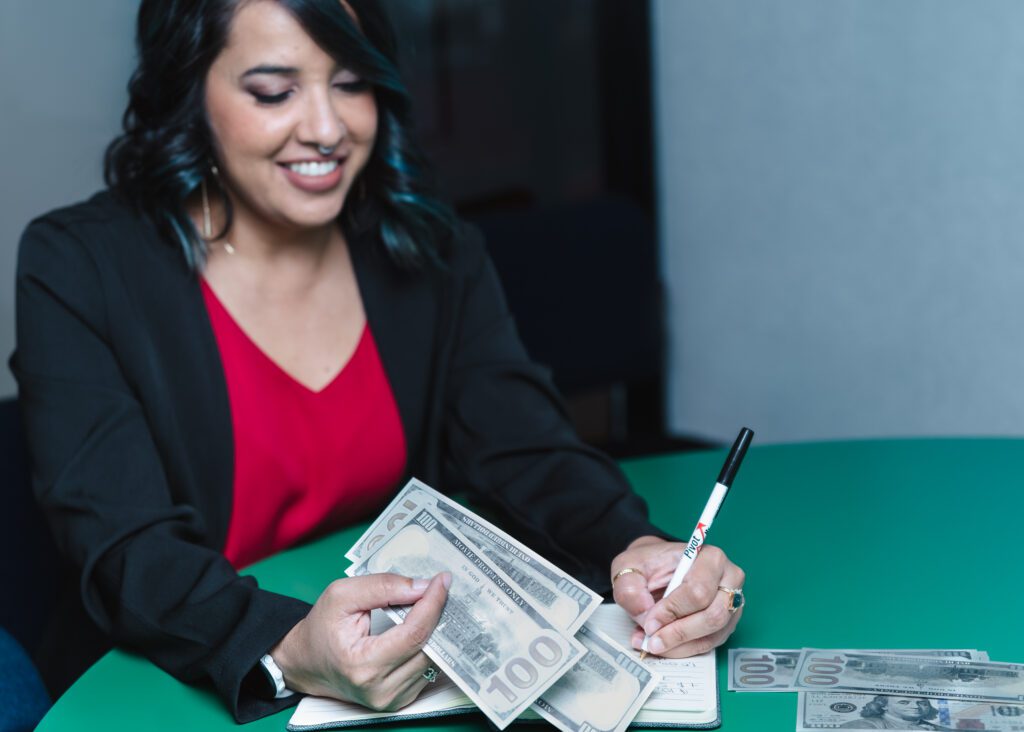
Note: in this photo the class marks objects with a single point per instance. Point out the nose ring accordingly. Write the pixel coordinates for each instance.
(324, 150)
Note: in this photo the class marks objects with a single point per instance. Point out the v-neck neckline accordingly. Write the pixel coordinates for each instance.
(251, 343)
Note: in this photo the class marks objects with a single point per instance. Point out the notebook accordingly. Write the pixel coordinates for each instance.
(686, 698)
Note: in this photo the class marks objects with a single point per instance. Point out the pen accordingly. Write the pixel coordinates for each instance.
(707, 517)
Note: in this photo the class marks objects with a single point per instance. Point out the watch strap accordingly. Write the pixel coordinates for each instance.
(275, 677)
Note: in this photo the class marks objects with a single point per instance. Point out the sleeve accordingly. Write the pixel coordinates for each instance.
(511, 441)
(147, 578)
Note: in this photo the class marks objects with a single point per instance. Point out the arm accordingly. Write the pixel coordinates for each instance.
(511, 440)
(152, 574)
(149, 577)
(510, 437)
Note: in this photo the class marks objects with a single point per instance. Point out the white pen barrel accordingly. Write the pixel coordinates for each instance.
(699, 534)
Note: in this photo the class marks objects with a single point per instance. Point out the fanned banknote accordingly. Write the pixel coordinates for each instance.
(946, 678)
(499, 648)
(818, 711)
(603, 691)
(678, 708)
(566, 601)
(774, 669)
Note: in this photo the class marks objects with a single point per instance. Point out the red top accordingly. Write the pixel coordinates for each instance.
(305, 462)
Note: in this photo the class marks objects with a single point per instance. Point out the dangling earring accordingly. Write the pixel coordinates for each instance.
(207, 221)
(207, 225)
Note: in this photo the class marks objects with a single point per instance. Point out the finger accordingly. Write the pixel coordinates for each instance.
(697, 591)
(408, 679)
(702, 645)
(360, 594)
(708, 621)
(409, 671)
(397, 645)
(403, 685)
(632, 595)
(410, 693)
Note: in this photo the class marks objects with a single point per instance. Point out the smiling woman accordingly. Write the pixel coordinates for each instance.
(265, 326)
(293, 127)
(258, 87)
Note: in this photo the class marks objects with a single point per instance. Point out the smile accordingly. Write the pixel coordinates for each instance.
(314, 170)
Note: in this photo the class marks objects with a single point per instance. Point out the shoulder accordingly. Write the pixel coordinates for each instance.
(101, 211)
(459, 258)
(466, 254)
(96, 232)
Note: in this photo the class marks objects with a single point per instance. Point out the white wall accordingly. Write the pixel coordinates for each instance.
(842, 223)
(65, 69)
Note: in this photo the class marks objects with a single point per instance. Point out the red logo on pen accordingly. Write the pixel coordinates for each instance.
(696, 544)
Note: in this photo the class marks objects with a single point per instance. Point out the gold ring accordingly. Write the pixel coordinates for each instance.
(627, 570)
(736, 598)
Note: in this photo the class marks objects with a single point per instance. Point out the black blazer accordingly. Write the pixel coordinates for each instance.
(129, 428)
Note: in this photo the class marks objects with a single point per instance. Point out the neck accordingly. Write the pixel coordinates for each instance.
(278, 261)
(279, 246)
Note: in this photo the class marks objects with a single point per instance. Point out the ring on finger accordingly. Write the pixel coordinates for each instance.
(430, 675)
(627, 570)
(736, 599)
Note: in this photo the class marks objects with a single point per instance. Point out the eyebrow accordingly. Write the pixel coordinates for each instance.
(270, 69)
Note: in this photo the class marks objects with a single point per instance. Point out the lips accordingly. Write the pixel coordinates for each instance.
(314, 169)
(314, 176)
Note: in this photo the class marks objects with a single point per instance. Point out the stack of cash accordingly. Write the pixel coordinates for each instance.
(514, 634)
(887, 689)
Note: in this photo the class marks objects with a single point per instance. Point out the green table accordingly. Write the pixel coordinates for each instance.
(874, 544)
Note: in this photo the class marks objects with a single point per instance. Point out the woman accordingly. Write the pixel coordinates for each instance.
(264, 326)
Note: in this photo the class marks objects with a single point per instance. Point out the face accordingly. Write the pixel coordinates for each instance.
(907, 707)
(272, 97)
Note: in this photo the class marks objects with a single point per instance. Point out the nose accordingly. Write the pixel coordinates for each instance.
(322, 125)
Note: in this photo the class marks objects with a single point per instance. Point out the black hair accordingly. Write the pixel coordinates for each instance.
(166, 148)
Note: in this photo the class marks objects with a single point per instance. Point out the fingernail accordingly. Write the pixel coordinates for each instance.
(656, 645)
(420, 584)
(651, 627)
(446, 578)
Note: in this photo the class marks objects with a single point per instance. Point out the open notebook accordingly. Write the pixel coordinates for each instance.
(687, 696)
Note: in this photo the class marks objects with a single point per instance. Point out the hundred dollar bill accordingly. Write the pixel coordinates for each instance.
(566, 602)
(774, 669)
(603, 691)
(491, 641)
(817, 711)
(947, 678)
(762, 669)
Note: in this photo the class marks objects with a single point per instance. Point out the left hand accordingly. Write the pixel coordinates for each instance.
(695, 617)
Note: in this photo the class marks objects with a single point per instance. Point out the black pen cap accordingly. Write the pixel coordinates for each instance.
(735, 457)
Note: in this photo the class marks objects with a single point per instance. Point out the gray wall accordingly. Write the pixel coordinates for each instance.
(842, 219)
(840, 183)
(65, 67)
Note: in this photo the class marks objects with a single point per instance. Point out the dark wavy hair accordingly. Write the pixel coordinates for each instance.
(167, 147)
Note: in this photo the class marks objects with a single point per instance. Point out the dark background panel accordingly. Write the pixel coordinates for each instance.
(537, 116)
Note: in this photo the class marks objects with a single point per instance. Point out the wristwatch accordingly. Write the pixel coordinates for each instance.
(274, 677)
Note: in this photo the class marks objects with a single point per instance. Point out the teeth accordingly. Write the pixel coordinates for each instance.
(314, 169)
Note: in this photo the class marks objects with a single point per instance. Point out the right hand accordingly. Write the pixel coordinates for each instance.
(331, 652)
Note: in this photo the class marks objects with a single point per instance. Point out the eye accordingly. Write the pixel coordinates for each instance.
(270, 98)
(353, 87)
(351, 83)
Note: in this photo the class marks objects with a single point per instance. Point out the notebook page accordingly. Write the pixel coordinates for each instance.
(687, 684)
